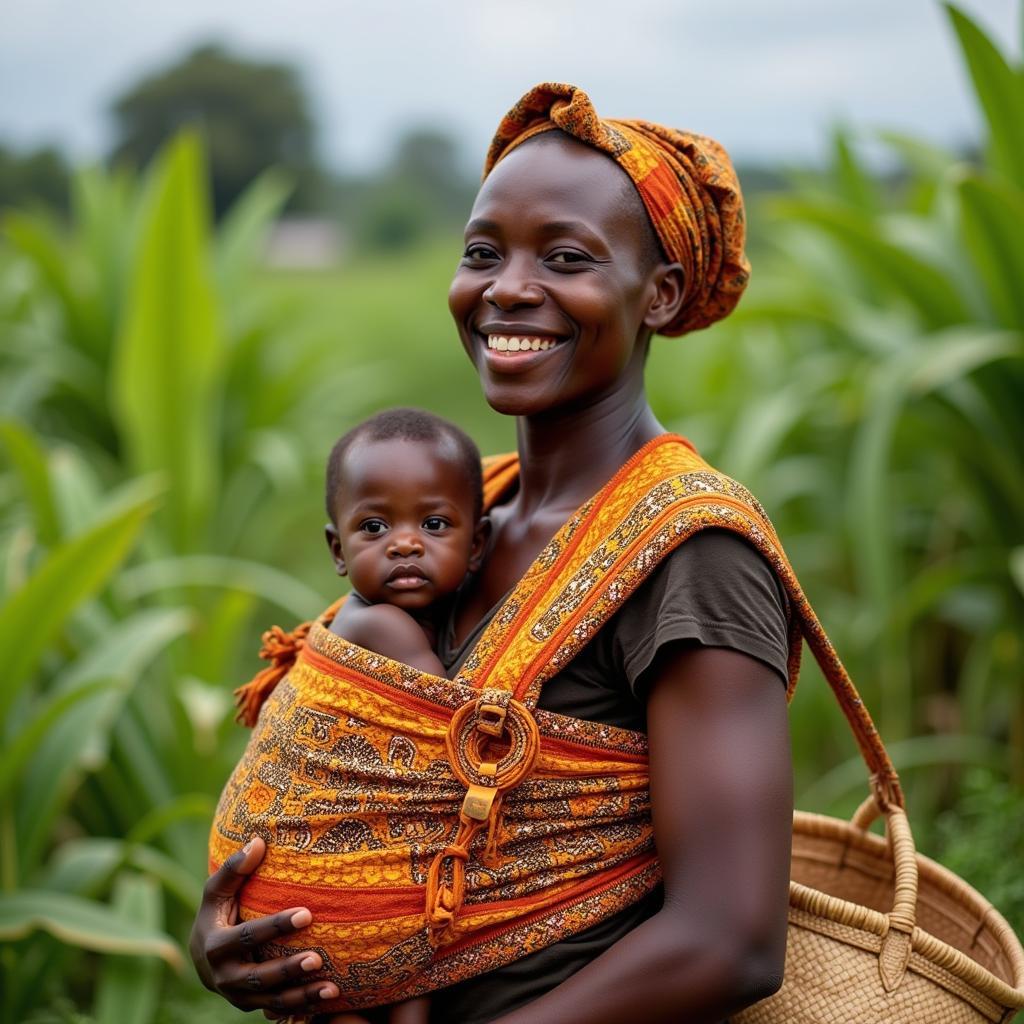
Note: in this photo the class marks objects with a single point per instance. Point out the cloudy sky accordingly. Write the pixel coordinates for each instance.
(767, 77)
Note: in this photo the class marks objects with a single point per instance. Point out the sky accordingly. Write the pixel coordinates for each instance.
(766, 77)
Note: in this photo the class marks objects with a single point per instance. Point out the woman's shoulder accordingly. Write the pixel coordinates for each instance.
(714, 589)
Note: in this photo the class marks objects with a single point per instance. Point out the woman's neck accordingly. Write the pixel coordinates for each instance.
(566, 456)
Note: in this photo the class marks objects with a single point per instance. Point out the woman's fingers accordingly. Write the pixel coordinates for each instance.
(224, 883)
(234, 942)
(308, 997)
(271, 975)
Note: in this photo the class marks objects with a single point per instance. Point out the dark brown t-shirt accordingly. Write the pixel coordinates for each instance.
(714, 590)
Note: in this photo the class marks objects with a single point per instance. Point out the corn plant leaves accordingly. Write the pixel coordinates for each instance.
(83, 923)
(29, 460)
(169, 353)
(1017, 568)
(39, 242)
(890, 267)
(85, 867)
(241, 235)
(32, 732)
(993, 226)
(238, 574)
(129, 987)
(1000, 93)
(32, 617)
(72, 746)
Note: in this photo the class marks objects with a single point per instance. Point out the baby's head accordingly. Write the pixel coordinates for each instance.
(405, 499)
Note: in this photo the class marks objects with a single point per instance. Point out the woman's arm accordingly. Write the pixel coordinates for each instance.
(721, 791)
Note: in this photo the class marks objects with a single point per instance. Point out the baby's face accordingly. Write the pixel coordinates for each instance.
(406, 534)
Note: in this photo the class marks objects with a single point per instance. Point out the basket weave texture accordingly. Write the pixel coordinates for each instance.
(849, 962)
(879, 934)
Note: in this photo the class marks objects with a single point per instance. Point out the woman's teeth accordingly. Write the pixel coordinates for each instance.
(501, 343)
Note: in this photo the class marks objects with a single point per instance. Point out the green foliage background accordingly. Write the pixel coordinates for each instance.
(166, 408)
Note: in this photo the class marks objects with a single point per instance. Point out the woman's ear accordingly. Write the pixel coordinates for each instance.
(334, 543)
(481, 535)
(670, 291)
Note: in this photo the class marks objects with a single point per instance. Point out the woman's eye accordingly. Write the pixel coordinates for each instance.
(434, 524)
(564, 256)
(478, 252)
(374, 527)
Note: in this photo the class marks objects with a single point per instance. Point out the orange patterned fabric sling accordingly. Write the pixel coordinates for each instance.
(438, 829)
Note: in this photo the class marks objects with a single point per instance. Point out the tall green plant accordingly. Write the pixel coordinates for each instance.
(139, 346)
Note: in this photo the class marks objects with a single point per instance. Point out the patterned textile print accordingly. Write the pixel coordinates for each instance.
(686, 181)
(347, 779)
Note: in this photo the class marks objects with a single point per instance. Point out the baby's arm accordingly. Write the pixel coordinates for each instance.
(388, 631)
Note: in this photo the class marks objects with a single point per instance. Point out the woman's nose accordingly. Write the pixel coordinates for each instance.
(514, 285)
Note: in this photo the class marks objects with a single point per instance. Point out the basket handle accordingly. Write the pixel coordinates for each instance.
(894, 954)
(885, 783)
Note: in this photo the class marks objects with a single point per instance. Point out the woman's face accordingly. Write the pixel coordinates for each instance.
(553, 293)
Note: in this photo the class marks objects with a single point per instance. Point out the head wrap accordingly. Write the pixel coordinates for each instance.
(686, 182)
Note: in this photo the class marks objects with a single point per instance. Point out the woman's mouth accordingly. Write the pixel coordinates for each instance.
(519, 343)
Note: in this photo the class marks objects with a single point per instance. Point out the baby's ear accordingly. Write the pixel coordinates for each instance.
(481, 535)
(334, 543)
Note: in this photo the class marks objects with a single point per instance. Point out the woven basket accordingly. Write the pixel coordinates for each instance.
(879, 934)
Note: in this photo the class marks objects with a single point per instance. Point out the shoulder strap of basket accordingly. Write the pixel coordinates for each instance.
(658, 500)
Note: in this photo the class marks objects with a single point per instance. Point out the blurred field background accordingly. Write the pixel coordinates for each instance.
(174, 365)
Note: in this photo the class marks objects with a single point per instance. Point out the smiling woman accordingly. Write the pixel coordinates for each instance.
(615, 709)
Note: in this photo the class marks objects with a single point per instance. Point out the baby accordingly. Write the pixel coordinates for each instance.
(405, 499)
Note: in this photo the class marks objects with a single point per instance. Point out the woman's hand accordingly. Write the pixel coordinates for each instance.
(222, 949)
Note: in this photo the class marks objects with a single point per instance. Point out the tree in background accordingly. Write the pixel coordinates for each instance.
(251, 115)
(38, 177)
(422, 190)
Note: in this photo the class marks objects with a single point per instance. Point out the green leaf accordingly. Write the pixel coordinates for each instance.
(29, 460)
(31, 733)
(34, 237)
(916, 752)
(274, 586)
(72, 746)
(169, 353)
(855, 186)
(187, 805)
(244, 228)
(1000, 92)
(1017, 568)
(83, 923)
(33, 616)
(104, 203)
(891, 267)
(129, 987)
(993, 226)
(952, 355)
(85, 866)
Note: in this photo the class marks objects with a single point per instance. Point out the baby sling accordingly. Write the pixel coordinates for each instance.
(438, 829)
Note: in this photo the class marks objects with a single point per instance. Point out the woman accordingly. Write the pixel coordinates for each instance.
(587, 238)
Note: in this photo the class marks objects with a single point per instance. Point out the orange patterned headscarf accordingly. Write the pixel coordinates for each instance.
(686, 181)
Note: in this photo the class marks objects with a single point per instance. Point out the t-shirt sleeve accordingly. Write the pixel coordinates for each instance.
(716, 590)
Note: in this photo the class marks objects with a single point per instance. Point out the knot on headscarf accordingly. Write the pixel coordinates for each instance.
(686, 182)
